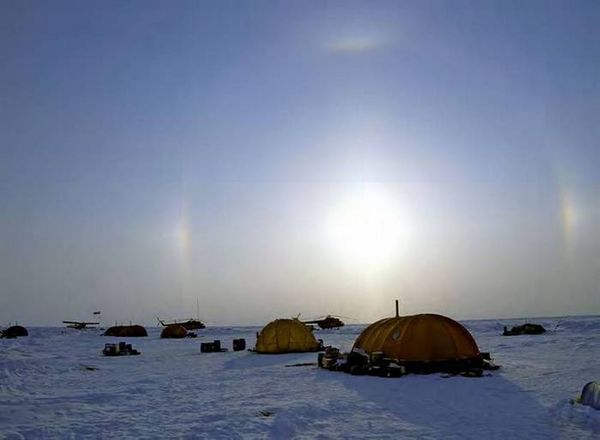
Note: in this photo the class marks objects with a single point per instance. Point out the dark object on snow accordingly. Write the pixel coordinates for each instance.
(211, 347)
(525, 329)
(174, 332)
(126, 331)
(303, 364)
(88, 368)
(590, 395)
(239, 344)
(192, 335)
(120, 349)
(14, 331)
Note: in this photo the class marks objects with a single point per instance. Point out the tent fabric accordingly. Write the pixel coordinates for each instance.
(419, 338)
(590, 395)
(174, 332)
(126, 331)
(286, 336)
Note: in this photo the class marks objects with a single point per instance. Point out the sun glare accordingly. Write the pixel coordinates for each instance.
(368, 229)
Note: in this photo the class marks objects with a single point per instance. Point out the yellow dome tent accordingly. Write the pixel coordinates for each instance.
(286, 336)
(425, 339)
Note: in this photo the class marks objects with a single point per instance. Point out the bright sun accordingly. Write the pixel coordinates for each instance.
(368, 229)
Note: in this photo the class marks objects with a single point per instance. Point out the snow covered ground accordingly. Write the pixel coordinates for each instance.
(172, 390)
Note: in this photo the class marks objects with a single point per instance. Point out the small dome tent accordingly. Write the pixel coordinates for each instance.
(14, 331)
(425, 342)
(590, 395)
(125, 331)
(286, 336)
(174, 332)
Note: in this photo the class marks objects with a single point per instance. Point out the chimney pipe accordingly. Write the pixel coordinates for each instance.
(397, 314)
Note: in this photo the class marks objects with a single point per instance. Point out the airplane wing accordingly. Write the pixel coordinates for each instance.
(81, 322)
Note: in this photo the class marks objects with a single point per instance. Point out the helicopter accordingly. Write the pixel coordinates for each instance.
(327, 322)
(190, 324)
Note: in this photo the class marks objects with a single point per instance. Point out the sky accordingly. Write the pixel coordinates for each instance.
(269, 158)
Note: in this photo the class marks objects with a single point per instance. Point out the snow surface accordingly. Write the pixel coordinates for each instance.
(172, 390)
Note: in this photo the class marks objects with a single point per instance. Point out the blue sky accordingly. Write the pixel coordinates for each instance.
(156, 152)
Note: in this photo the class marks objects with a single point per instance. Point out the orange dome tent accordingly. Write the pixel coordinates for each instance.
(286, 336)
(126, 331)
(426, 342)
(174, 332)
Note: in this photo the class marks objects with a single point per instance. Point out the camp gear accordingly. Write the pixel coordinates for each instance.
(120, 349)
(211, 347)
(239, 344)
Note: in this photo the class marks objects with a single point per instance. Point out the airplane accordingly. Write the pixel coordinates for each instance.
(80, 325)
